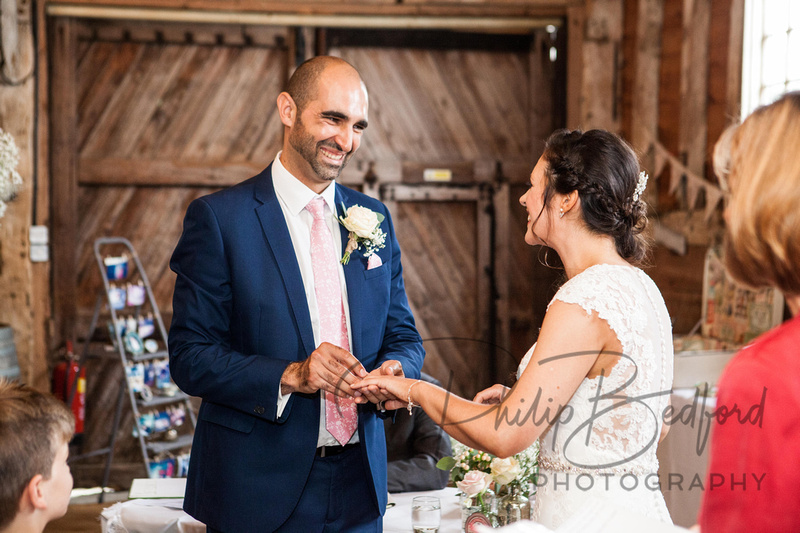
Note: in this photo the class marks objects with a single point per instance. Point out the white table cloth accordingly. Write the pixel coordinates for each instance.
(398, 517)
(149, 516)
(167, 515)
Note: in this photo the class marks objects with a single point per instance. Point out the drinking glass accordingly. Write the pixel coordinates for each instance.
(426, 513)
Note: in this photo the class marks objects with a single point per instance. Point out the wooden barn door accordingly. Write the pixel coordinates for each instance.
(445, 235)
(476, 107)
(146, 118)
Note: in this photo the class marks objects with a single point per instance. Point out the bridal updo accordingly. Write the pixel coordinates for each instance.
(604, 170)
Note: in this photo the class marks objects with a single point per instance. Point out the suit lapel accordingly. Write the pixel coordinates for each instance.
(280, 242)
(353, 275)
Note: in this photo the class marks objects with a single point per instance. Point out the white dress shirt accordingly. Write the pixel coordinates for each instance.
(293, 197)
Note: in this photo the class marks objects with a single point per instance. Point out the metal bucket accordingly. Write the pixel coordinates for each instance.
(9, 367)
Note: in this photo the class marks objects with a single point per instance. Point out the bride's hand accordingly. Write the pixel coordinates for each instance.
(492, 395)
(395, 388)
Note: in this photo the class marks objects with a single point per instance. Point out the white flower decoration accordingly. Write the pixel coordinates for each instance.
(10, 180)
(640, 185)
(364, 226)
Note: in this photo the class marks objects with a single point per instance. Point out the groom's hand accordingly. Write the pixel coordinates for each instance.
(373, 394)
(328, 368)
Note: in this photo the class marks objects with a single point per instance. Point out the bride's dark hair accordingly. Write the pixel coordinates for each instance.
(604, 170)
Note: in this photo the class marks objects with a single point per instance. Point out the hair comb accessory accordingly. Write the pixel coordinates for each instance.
(640, 185)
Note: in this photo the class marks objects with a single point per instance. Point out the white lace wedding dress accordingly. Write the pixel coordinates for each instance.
(604, 444)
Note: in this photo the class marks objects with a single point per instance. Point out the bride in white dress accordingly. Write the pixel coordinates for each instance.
(594, 387)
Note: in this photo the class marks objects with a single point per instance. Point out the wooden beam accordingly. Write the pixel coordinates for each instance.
(645, 99)
(541, 121)
(176, 33)
(502, 278)
(601, 65)
(121, 172)
(724, 71)
(735, 52)
(719, 42)
(630, 60)
(41, 293)
(669, 94)
(64, 172)
(485, 319)
(391, 8)
(442, 193)
(694, 85)
(16, 114)
(575, 27)
(644, 102)
(488, 21)
(113, 171)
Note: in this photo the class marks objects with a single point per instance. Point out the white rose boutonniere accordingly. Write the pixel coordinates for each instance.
(364, 226)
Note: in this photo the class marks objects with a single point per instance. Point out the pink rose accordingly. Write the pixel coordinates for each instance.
(475, 482)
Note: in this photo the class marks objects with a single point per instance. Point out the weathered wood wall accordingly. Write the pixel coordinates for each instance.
(128, 149)
(683, 69)
(157, 117)
(24, 287)
(667, 72)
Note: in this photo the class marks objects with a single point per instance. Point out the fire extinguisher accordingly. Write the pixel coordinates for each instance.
(63, 382)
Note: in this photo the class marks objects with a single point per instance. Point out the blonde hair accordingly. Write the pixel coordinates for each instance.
(763, 244)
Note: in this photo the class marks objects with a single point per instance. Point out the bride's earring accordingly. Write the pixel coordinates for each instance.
(561, 213)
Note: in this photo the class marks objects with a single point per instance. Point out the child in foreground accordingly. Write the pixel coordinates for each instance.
(35, 480)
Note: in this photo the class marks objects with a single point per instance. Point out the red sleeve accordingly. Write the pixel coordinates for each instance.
(752, 482)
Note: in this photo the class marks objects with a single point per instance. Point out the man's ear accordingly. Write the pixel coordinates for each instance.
(287, 109)
(33, 494)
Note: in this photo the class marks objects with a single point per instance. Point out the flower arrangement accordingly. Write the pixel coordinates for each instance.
(520, 469)
(490, 486)
(10, 180)
(481, 476)
(364, 226)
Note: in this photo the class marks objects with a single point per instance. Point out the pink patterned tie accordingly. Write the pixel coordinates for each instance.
(341, 417)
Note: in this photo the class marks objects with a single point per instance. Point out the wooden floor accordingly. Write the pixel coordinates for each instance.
(80, 518)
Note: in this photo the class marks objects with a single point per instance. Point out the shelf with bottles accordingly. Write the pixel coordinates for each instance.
(128, 322)
(135, 331)
(164, 429)
(126, 286)
(162, 423)
(151, 383)
(165, 464)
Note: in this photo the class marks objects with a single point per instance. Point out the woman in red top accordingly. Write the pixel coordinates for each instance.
(753, 482)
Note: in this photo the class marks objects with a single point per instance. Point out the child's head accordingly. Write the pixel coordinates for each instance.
(35, 430)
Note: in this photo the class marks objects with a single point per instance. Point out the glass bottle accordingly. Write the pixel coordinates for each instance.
(513, 507)
(484, 503)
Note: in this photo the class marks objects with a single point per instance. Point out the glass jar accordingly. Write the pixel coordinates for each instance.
(484, 503)
(513, 507)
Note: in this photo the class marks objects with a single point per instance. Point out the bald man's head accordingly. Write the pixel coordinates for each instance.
(302, 85)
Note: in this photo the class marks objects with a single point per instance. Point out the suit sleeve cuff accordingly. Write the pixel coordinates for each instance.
(283, 400)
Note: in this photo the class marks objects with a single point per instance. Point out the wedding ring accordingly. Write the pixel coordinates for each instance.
(381, 405)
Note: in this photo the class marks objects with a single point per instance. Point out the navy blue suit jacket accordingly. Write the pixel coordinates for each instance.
(240, 317)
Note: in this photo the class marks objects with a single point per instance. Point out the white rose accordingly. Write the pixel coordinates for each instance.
(475, 482)
(361, 221)
(505, 471)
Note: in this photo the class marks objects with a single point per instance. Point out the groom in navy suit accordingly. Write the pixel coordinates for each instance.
(248, 330)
